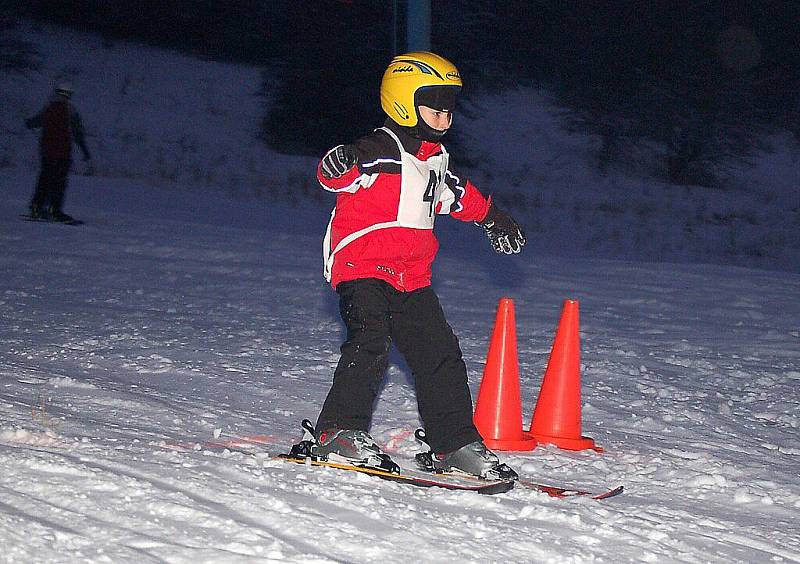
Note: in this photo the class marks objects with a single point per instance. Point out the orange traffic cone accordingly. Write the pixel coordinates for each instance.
(498, 411)
(557, 417)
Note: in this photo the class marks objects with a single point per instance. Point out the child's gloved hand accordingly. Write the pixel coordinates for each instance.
(504, 233)
(338, 161)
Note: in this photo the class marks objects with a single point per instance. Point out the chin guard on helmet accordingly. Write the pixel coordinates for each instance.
(441, 98)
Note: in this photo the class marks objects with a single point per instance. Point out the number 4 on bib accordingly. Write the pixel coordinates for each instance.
(430, 192)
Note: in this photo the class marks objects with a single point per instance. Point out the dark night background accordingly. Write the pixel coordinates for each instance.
(703, 78)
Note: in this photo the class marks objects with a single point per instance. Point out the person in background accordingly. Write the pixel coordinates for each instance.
(61, 127)
(379, 249)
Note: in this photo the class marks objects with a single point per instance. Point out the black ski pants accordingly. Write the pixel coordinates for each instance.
(377, 315)
(52, 184)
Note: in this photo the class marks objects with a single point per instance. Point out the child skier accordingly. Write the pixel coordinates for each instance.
(378, 252)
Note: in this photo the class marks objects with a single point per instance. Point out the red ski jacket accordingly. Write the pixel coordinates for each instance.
(367, 203)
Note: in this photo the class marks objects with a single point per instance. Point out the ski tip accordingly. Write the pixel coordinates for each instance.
(610, 493)
(498, 488)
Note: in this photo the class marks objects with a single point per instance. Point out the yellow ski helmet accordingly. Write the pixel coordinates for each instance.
(409, 73)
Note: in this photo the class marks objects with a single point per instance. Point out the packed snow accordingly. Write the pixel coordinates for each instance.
(179, 317)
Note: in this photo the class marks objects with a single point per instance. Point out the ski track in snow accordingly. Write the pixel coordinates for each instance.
(121, 338)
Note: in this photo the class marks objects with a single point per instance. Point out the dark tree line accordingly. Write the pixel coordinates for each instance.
(702, 79)
(16, 56)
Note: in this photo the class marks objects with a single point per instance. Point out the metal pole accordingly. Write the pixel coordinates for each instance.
(419, 25)
(395, 50)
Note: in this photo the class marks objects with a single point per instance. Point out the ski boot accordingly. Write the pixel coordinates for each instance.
(37, 212)
(61, 217)
(474, 459)
(349, 446)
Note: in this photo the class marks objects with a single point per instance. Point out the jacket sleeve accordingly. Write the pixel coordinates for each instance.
(462, 199)
(350, 181)
(78, 134)
(35, 121)
(376, 154)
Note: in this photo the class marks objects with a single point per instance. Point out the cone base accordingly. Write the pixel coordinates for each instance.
(567, 443)
(526, 442)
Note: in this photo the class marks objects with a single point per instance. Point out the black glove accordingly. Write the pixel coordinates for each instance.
(338, 161)
(504, 233)
(29, 123)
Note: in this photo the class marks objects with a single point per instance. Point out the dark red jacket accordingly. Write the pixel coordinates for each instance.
(368, 195)
(61, 126)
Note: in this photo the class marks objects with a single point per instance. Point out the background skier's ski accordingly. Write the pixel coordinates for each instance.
(45, 220)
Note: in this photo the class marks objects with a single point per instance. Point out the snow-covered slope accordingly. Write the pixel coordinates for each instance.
(164, 321)
(150, 114)
(169, 120)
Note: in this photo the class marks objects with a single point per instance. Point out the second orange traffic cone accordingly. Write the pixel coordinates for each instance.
(498, 411)
(557, 417)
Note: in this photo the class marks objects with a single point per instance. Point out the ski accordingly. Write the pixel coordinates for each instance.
(457, 481)
(562, 492)
(45, 220)
(412, 477)
(424, 461)
(253, 445)
(235, 444)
